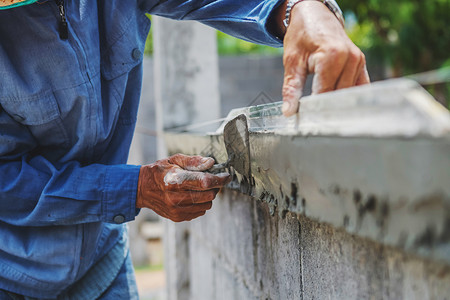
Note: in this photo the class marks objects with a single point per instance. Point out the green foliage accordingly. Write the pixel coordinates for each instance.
(228, 45)
(149, 268)
(410, 35)
(149, 43)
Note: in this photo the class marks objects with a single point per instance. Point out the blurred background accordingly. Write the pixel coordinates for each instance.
(400, 38)
(403, 38)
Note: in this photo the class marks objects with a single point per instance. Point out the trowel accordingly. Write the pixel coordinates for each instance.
(236, 139)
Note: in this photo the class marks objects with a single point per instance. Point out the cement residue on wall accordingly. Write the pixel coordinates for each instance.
(240, 251)
(387, 182)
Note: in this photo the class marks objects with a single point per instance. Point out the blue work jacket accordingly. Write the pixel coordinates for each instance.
(67, 116)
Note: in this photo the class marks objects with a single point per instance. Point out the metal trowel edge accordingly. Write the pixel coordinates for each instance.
(236, 139)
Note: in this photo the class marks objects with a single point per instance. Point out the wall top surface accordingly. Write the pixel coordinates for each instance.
(392, 108)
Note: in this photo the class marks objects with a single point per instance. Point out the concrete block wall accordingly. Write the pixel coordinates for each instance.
(239, 250)
(242, 249)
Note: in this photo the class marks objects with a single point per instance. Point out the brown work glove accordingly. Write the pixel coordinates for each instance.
(177, 188)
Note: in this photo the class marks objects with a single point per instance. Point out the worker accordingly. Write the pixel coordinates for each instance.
(70, 83)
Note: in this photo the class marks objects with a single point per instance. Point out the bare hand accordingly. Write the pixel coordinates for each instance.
(177, 188)
(315, 42)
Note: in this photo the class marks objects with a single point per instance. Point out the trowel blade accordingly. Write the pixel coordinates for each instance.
(236, 138)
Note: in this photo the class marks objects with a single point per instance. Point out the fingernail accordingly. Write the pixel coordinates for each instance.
(285, 107)
(204, 160)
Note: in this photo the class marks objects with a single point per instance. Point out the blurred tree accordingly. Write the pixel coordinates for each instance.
(149, 43)
(404, 36)
(407, 36)
(410, 35)
(228, 45)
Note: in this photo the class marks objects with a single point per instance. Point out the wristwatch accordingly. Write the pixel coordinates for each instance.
(330, 4)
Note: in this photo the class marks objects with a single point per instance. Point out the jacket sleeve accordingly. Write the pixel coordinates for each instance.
(247, 20)
(36, 192)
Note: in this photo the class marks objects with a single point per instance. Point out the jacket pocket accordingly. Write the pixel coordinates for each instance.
(121, 57)
(124, 42)
(40, 114)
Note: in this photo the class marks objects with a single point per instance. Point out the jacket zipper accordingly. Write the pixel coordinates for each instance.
(63, 28)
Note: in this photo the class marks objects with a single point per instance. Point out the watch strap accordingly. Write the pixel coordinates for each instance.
(332, 6)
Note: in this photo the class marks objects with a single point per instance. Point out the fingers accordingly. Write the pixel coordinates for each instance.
(188, 217)
(179, 179)
(327, 67)
(189, 198)
(190, 204)
(192, 163)
(294, 80)
(207, 181)
(353, 67)
(189, 212)
(342, 68)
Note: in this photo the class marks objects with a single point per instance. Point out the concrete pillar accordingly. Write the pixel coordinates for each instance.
(186, 92)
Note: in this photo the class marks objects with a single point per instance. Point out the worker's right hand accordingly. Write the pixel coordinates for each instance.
(177, 188)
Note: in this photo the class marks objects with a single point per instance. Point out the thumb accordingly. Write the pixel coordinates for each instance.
(294, 80)
(192, 163)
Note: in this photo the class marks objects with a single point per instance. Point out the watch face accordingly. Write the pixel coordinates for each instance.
(5, 4)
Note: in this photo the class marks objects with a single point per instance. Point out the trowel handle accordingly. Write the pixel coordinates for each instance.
(218, 168)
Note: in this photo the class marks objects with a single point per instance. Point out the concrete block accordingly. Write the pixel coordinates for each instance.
(338, 265)
(202, 270)
(231, 285)
(176, 249)
(227, 228)
(298, 258)
(277, 251)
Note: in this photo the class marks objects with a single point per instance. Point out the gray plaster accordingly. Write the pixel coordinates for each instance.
(297, 258)
(391, 187)
(391, 108)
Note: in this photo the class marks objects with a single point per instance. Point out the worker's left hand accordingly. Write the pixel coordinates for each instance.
(315, 42)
